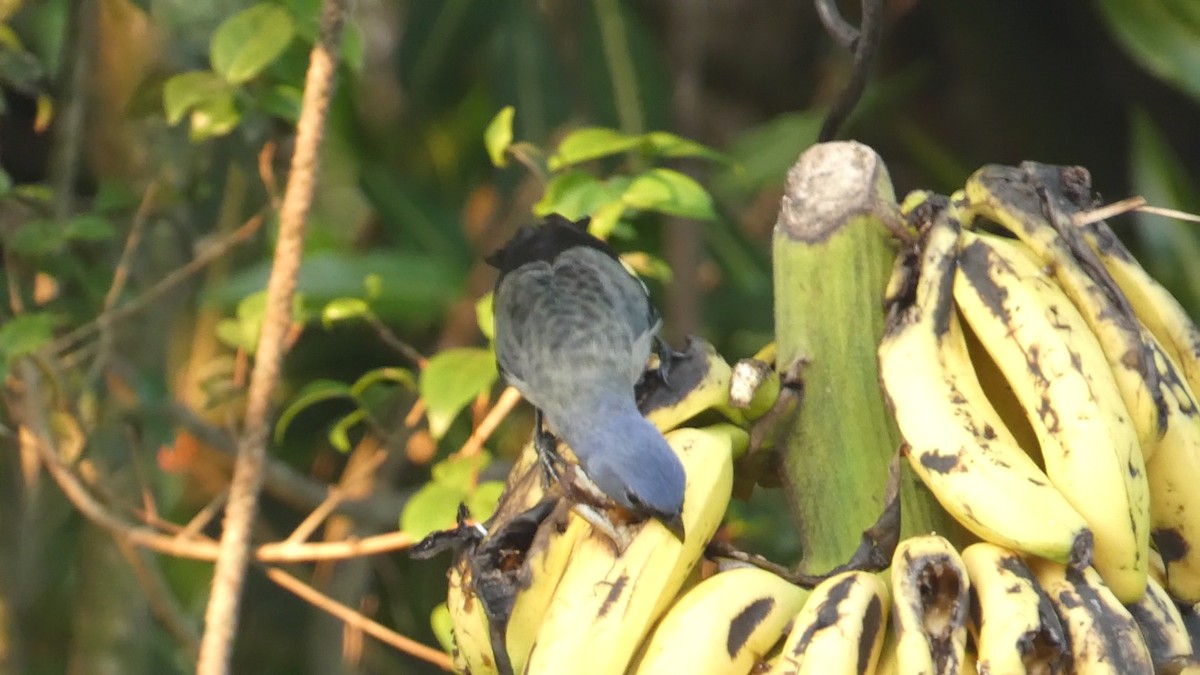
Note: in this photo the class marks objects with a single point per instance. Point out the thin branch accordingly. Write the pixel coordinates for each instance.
(336, 494)
(206, 256)
(221, 616)
(356, 620)
(509, 398)
(865, 46)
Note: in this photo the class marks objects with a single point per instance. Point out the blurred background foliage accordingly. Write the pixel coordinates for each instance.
(171, 120)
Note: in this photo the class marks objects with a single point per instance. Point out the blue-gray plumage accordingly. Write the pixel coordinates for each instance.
(574, 330)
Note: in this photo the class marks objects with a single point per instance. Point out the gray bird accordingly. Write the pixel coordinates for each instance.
(574, 330)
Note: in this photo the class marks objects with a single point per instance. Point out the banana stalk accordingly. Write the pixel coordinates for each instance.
(832, 256)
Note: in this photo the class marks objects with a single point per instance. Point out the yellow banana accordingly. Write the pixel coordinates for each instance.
(667, 409)
(958, 445)
(1162, 628)
(1059, 373)
(1013, 623)
(724, 625)
(1021, 200)
(472, 651)
(1104, 637)
(605, 603)
(930, 600)
(1173, 471)
(840, 629)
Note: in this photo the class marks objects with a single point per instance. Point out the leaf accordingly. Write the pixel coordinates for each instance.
(461, 471)
(483, 500)
(606, 219)
(342, 309)
(184, 91)
(433, 507)
(213, 117)
(37, 237)
(400, 376)
(451, 380)
(442, 625)
(1163, 36)
(591, 143)
(484, 316)
(499, 135)
(666, 144)
(24, 334)
(282, 101)
(671, 192)
(249, 41)
(89, 227)
(353, 49)
(313, 393)
(339, 435)
(647, 266)
(576, 194)
(763, 154)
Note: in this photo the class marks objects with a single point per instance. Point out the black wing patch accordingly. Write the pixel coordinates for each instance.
(534, 243)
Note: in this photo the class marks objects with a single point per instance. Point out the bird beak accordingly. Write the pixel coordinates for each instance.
(674, 525)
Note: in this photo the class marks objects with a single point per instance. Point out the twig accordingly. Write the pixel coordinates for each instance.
(390, 339)
(864, 44)
(356, 620)
(1107, 211)
(221, 616)
(207, 255)
(1170, 213)
(120, 275)
(838, 28)
(504, 405)
(336, 494)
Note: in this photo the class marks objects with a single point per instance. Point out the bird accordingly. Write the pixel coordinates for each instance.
(574, 330)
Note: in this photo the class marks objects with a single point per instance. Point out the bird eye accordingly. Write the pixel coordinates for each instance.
(633, 499)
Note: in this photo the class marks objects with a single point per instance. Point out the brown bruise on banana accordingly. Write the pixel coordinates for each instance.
(743, 625)
(872, 633)
(1158, 629)
(1108, 625)
(1048, 643)
(614, 594)
(940, 604)
(828, 615)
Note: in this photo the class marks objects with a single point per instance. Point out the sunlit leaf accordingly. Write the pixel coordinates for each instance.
(389, 374)
(451, 380)
(671, 192)
(339, 434)
(184, 91)
(583, 145)
(484, 316)
(433, 507)
(483, 500)
(214, 116)
(606, 219)
(666, 144)
(313, 393)
(461, 471)
(343, 309)
(498, 135)
(443, 627)
(24, 334)
(249, 41)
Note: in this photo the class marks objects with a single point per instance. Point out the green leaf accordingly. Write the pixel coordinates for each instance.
(114, 196)
(400, 376)
(460, 471)
(282, 101)
(37, 237)
(590, 143)
(606, 219)
(214, 116)
(575, 194)
(24, 334)
(89, 227)
(498, 135)
(249, 41)
(665, 144)
(442, 625)
(668, 191)
(483, 500)
(484, 316)
(342, 309)
(313, 393)
(339, 435)
(183, 92)
(451, 380)
(763, 154)
(352, 49)
(1163, 36)
(433, 507)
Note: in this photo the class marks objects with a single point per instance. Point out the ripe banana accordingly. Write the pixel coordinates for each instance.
(1013, 623)
(1019, 200)
(606, 602)
(1103, 635)
(958, 445)
(724, 625)
(1059, 373)
(667, 409)
(472, 651)
(930, 598)
(1162, 628)
(840, 629)
(1172, 473)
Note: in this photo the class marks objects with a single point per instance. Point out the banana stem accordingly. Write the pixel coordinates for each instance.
(833, 255)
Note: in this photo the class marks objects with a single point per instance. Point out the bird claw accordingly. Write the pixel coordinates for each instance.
(666, 357)
(546, 446)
